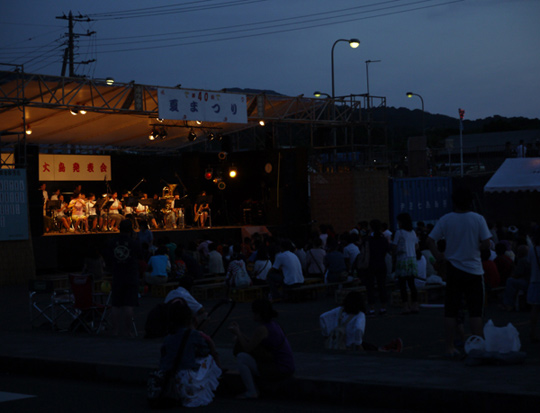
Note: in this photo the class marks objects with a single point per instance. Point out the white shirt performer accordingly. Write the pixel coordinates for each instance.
(466, 233)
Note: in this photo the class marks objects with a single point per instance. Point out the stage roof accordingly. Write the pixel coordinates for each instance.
(121, 116)
(516, 174)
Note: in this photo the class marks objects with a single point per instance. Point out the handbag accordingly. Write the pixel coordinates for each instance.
(161, 387)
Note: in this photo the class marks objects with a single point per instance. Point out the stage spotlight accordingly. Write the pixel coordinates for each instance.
(109, 81)
(28, 129)
(208, 174)
(221, 185)
(191, 135)
(163, 133)
(219, 137)
(233, 172)
(74, 112)
(261, 122)
(210, 136)
(152, 135)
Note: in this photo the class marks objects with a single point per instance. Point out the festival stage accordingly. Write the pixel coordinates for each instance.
(64, 252)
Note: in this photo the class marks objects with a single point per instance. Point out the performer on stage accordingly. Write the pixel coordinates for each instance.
(91, 212)
(202, 209)
(144, 214)
(77, 206)
(114, 212)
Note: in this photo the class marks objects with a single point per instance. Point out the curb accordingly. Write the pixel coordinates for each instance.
(337, 392)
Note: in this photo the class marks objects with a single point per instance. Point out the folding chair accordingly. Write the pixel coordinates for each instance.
(48, 303)
(105, 313)
(90, 315)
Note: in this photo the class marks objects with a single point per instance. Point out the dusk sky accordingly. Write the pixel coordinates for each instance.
(479, 55)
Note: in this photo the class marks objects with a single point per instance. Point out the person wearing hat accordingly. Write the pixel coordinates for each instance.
(122, 256)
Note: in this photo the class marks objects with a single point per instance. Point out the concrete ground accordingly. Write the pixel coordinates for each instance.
(419, 377)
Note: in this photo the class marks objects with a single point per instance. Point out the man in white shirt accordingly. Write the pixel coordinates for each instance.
(286, 270)
(466, 233)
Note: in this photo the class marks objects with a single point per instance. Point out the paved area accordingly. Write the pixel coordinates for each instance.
(419, 377)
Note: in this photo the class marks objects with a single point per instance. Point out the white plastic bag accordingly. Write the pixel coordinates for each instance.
(501, 339)
(475, 343)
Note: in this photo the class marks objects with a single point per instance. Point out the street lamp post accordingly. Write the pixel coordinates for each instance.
(410, 95)
(354, 43)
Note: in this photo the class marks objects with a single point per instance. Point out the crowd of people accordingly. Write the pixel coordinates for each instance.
(461, 251)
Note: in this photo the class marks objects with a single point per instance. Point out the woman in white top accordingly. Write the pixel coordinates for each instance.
(261, 267)
(405, 246)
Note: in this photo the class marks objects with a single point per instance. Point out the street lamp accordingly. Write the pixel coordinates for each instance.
(318, 94)
(354, 43)
(410, 95)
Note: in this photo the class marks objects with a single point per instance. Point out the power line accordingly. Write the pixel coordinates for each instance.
(325, 13)
(166, 10)
(281, 30)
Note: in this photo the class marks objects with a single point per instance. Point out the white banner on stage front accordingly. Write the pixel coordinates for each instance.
(204, 106)
(74, 167)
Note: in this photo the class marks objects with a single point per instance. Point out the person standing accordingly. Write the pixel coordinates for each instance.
(122, 256)
(466, 234)
(521, 149)
(406, 244)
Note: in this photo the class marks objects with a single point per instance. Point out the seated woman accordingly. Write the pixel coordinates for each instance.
(196, 372)
(352, 316)
(261, 267)
(266, 354)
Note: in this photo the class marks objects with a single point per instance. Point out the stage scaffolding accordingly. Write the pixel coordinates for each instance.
(339, 130)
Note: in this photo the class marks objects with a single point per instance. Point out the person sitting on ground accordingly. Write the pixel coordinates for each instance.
(261, 267)
(184, 292)
(266, 354)
(315, 260)
(236, 270)
(519, 281)
(286, 270)
(492, 279)
(336, 268)
(158, 267)
(352, 316)
(197, 374)
(215, 260)
(504, 264)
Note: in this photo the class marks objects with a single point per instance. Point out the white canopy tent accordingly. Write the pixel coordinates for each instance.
(515, 175)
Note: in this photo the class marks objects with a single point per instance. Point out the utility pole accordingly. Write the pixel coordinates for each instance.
(69, 52)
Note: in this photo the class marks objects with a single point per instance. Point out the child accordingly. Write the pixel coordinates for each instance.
(352, 315)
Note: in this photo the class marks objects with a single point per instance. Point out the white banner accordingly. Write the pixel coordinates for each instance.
(201, 105)
(74, 167)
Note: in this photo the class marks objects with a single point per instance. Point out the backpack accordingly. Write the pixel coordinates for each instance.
(337, 339)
